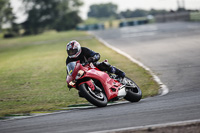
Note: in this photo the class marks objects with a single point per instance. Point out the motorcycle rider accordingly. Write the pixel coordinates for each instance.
(76, 52)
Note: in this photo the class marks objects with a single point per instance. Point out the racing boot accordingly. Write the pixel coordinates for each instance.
(120, 74)
(105, 66)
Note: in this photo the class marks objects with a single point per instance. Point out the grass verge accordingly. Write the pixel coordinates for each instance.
(33, 72)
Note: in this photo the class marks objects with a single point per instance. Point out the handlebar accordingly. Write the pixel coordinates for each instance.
(85, 63)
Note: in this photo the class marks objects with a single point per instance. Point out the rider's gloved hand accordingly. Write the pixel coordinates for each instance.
(91, 59)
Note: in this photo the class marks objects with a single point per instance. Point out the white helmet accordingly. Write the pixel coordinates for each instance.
(73, 49)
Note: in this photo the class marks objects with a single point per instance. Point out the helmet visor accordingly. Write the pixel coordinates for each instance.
(72, 52)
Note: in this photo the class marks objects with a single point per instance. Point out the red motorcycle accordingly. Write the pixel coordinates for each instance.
(99, 87)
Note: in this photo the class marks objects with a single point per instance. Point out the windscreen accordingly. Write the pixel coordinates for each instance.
(70, 67)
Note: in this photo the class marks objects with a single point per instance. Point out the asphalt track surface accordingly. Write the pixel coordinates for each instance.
(171, 50)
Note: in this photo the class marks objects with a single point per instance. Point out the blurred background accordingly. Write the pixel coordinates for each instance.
(26, 17)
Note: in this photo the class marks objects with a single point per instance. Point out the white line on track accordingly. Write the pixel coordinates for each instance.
(163, 88)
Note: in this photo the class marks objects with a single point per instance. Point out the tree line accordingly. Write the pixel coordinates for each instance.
(110, 10)
(42, 15)
(51, 14)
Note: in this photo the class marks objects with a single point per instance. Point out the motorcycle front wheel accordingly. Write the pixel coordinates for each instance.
(94, 97)
(134, 93)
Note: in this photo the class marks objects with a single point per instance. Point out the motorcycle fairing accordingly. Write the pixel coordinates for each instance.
(110, 85)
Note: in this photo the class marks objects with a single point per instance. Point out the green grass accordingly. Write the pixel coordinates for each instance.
(33, 72)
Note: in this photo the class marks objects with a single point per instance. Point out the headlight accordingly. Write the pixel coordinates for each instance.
(72, 83)
(80, 74)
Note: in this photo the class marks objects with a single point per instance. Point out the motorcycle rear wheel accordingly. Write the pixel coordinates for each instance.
(96, 98)
(134, 93)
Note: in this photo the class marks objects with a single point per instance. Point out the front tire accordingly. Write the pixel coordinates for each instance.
(134, 93)
(96, 98)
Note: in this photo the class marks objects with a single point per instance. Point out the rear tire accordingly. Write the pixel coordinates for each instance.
(96, 98)
(134, 93)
